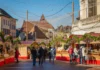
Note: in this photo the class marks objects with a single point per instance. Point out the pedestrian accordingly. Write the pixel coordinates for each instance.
(70, 51)
(53, 53)
(40, 56)
(84, 54)
(1, 49)
(34, 55)
(17, 55)
(80, 55)
(49, 54)
(75, 54)
(45, 54)
(29, 52)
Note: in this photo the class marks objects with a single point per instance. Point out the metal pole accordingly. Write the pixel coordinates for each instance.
(72, 12)
(35, 31)
(26, 26)
(35, 36)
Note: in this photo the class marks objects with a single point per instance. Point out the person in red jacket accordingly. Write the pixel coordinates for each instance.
(17, 54)
(70, 51)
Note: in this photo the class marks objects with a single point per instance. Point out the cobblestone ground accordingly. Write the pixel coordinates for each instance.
(58, 65)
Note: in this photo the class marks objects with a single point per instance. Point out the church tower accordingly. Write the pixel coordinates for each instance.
(42, 17)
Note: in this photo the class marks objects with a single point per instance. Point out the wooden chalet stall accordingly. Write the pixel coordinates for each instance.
(23, 49)
(9, 56)
(1, 57)
(93, 55)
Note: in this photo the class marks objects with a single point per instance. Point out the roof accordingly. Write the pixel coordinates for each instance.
(94, 34)
(79, 36)
(43, 24)
(39, 33)
(35, 29)
(40, 27)
(67, 27)
(4, 13)
(42, 18)
(28, 27)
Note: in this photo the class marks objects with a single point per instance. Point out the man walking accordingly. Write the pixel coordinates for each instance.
(34, 55)
(41, 54)
(81, 55)
(53, 53)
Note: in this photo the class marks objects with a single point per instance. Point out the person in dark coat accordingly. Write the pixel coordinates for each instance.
(41, 54)
(17, 55)
(80, 55)
(34, 55)
(49, 54)
(45, 54)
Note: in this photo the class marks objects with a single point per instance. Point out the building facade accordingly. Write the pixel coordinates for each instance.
(89, 18)
(36, 30)
(7, 23)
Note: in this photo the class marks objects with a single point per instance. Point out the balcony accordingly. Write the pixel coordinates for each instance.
(5, 27)
(89, 20)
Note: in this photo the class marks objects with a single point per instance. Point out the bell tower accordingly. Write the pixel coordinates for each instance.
(42, 17)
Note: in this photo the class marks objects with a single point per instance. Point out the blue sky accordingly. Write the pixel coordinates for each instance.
(18, 8)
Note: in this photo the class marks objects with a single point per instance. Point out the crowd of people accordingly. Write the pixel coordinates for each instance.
(80, 53)
(40, 53)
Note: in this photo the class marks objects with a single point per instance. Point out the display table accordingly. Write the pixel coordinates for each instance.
(10, 59)
(1, 62)
(23, 57)
(63, 55)
(91, 58)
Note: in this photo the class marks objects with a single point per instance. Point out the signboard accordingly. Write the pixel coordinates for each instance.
(23, 51)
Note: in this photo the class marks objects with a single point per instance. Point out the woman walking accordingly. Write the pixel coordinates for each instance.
(70, 51)
(17, 55)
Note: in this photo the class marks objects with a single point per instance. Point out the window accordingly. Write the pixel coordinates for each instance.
(4, 22)
(14, 28)
(8, 23)
(92, 8)
(10, 26)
